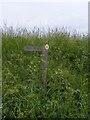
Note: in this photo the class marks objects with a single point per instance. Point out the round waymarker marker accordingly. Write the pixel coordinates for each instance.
(46, 46)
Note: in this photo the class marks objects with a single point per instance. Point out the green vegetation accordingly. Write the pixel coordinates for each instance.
(67, 76)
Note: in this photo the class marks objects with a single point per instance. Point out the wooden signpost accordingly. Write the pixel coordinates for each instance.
(44, 50)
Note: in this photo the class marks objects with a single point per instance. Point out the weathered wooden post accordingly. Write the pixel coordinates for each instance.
(44, 50)
(44, 66)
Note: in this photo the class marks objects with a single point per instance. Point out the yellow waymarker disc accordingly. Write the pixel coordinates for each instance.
(47, 46)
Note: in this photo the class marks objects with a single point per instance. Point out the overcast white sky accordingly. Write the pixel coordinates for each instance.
(44, 0)
(69, 13)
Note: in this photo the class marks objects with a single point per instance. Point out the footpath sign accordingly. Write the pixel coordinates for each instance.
(44, 50)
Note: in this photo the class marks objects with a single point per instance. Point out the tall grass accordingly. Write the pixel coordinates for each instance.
(67, 75)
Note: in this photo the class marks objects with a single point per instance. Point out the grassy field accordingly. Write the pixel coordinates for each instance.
(67, 76)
